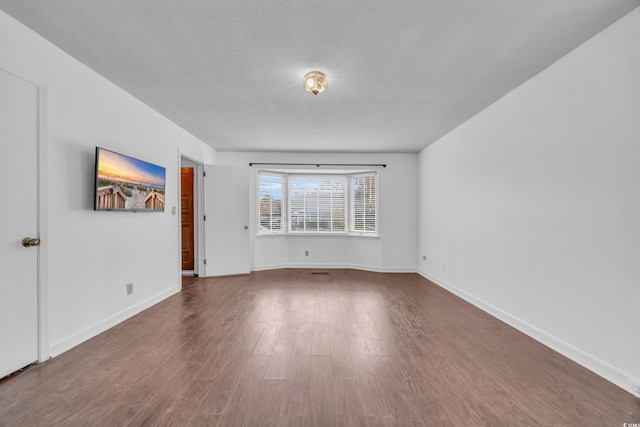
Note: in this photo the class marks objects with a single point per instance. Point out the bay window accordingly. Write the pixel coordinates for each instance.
(320, 203)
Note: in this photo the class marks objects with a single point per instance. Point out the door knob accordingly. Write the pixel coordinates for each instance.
(27, 242)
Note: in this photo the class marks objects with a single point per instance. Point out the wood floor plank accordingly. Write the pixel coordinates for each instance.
(226, 378)
(281, 355)
(431, 409)
(182, 409)
(204, 421)
(296, 399)
(321, 343)
(377, 422)
(243, 399)
(299, 365)
(341, 364)
(292, 421)
(347, 405)
(267, 341)
(266, 408)
(321, 392)
(292, 348)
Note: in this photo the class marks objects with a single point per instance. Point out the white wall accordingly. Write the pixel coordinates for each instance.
(531, 209)
(93, 255)
(394, 250)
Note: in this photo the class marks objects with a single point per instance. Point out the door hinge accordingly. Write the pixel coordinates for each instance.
(205, 218)
(204, 173)
(205, 262)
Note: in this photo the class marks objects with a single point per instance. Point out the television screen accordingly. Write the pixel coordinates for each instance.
(127, 184)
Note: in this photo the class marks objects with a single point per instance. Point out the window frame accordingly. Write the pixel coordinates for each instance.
(283, 205)
(349, 176)
(352, 211)
(311, 176)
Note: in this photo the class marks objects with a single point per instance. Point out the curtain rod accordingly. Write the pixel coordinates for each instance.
(318, 164)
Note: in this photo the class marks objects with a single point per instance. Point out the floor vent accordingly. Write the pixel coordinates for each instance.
(320, 272)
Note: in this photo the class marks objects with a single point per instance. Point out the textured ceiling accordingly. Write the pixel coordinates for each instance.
(401, 73)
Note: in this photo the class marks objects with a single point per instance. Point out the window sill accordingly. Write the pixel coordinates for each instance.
(365, 235)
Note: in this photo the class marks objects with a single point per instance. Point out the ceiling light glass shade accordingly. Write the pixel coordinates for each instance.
(315, 82)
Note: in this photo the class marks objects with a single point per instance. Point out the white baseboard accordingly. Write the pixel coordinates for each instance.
(376, 269)
(268, 267)
(594, 364)
(399, 270)
(68, 343)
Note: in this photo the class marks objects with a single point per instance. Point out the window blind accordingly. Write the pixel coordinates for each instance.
(317, 203)
(363, 203)
(270, 202)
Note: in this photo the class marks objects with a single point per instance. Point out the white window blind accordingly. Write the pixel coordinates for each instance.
(364, 203)
(317, 203)
(270, 202)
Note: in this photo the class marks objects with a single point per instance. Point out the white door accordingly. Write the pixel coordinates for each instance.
(227, 224)
(18, 219)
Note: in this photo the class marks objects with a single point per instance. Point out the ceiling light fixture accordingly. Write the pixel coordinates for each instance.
(315, 82)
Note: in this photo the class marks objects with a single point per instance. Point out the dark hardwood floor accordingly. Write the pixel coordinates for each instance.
(294, 348)
(189, 280)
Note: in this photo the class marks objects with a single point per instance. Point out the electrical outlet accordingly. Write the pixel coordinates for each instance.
(129, 288)
(306, 253)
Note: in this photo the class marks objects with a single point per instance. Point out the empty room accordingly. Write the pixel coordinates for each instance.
(364, 213)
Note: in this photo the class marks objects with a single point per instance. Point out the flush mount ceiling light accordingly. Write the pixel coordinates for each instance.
(315, 82)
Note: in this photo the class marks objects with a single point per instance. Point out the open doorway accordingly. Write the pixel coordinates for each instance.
(224, 238)
(189, 190)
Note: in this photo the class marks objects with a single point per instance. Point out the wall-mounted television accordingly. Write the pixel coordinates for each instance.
(123, 183)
